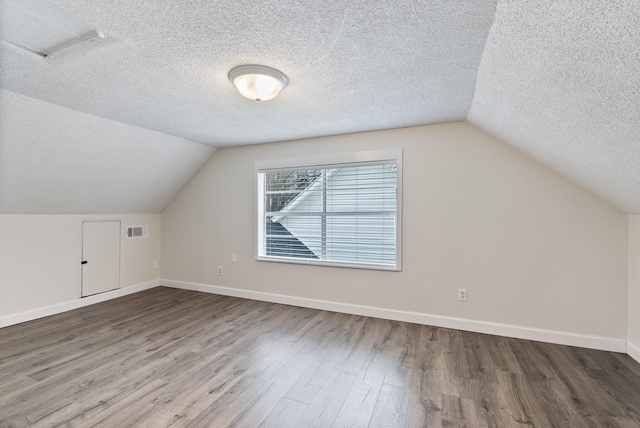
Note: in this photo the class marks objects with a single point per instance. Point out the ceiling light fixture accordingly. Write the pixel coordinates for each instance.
(258, 82)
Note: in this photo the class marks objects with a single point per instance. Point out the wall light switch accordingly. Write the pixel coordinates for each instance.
(234, 257)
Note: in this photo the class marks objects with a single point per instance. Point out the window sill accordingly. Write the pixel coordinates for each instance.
(347, 265)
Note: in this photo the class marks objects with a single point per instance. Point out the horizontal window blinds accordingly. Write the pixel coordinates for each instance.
(340, 214)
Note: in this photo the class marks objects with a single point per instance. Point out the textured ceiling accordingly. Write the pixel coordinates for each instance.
(352, 66)
(56, 160)
(560, 80)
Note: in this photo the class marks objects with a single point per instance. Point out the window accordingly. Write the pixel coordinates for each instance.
(338, 210)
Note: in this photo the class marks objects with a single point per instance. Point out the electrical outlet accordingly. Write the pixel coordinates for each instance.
(462, 294)
(234, 257)
(220, 270)
(155, 264)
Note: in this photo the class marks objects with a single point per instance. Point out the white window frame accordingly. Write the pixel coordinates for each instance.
(327, 162)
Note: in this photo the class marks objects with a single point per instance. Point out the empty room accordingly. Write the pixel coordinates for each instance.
(319, 214)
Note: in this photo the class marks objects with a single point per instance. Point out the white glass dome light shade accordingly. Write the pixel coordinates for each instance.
(258, 87)
(257, 82)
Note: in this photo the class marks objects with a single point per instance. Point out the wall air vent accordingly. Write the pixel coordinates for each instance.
(37, 27)
(137, 232)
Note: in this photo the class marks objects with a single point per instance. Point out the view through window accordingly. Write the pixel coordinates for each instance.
(338, 214)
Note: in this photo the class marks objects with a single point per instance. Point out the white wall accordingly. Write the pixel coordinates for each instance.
(532, 248)
(40, 257)
(634, 287)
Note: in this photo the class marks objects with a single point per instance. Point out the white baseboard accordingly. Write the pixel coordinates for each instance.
(633, 351)
(74, 304)
(550, 336)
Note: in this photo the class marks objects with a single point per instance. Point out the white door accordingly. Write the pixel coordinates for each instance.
(100, 256)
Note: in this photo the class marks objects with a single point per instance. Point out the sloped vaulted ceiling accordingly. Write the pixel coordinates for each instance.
(58, 161)
(560, 80)
(556, 78)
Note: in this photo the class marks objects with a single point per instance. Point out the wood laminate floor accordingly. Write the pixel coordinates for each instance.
(167, 357)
